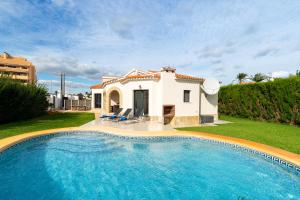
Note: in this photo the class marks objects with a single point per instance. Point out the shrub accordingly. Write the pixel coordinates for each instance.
(277, 100)
(18, 101)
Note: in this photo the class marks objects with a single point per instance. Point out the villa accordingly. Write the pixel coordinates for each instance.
(164, 96)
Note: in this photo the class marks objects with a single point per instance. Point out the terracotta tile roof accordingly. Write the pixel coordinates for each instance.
(187, 77)
(148, 77)
(98, 86)
(141, 75)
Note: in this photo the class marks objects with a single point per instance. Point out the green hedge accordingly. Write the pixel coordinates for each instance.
(277, 100)
(18, 101)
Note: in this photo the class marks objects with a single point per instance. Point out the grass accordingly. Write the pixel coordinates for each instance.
(277, 135)
(49, 121)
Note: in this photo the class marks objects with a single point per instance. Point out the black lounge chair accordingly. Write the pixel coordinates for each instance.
(136, 117)
(125, 115)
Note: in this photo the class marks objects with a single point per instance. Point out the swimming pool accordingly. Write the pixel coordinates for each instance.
(93, 165)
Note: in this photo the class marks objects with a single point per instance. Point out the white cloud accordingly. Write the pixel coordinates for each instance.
(55, 62)
(11, 8)
(214, 52)
(63, 2)
(71, 86)
(266, 51)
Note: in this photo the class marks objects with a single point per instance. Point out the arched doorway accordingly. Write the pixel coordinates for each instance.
(114, 101)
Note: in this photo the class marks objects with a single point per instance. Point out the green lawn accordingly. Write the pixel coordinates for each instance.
(278, 135)
(49, 121)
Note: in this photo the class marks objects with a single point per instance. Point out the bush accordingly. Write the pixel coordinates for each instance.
(277, 100)
(18, 101)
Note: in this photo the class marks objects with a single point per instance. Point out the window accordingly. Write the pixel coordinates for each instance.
(97, 100)
(186, 95)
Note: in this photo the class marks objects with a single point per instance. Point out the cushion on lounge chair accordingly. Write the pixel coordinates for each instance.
(122, 118)
(116, 113)
(104, 116)
(113, 117)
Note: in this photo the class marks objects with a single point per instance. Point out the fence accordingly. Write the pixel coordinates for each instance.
(78, 104)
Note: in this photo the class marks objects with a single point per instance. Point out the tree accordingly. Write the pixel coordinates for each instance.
(241, 77)
(80, 96)
(298, 73)
(259, 77)
(19, 101)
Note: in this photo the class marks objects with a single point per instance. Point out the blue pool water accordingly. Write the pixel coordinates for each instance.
(87, 165)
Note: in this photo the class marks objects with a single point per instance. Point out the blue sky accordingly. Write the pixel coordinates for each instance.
(106, 37)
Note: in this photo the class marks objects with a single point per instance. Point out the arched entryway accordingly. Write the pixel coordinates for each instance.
(114, 101)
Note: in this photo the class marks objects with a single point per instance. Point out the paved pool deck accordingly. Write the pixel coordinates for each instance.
(279, 153)
(128, 125)
(133, 125)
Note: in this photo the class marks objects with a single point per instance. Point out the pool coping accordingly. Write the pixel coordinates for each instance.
(290, 157)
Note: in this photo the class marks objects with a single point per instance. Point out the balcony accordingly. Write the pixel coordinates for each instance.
(12, 69)
(20, 77)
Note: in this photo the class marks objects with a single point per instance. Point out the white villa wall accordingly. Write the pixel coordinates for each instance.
(127, 93)
(173, 94)
(209, 105)
(165, 91)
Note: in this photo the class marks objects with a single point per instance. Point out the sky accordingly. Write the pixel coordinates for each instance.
(204, 38)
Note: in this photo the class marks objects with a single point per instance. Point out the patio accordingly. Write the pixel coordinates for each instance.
(142, 125)
(129, 125)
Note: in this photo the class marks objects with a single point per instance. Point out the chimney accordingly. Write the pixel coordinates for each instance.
(168, 69)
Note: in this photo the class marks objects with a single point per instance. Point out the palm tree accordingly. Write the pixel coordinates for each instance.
(241, 77)
(259, 77)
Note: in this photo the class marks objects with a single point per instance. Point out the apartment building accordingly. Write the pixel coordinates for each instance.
(17, 68)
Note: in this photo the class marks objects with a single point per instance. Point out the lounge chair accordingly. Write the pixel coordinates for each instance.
(136, 117)
(116, 113)
(124, 116)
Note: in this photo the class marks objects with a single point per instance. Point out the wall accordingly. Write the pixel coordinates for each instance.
(173, 94)
(209, 105)
(128, 89)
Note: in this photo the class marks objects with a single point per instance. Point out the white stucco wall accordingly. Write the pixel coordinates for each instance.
(209, 105)
(128, 92)
(173, 94)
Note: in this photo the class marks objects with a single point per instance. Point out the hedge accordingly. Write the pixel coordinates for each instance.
(277, 101)
(19, 101)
